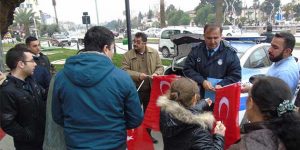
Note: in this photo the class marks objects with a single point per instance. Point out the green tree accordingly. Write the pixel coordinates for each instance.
(140, 17)
(270, 7)
(202, 14)
(288, 9)
(297, 10)
(24, 17)
(49, 29)
(150, 14)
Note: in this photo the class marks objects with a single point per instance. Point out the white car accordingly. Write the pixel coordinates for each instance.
(152, 32)
(166, 46)
(231, 31)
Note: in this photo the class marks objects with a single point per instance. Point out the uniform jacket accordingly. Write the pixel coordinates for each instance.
(42, 60)
(224, 64)
(130, 64)
(95, 102)
(23, 111)
(184, 129)
(258, 137)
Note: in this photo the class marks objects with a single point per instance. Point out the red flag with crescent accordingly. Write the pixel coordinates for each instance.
(160, 85)
(226, 109)
(139, 138)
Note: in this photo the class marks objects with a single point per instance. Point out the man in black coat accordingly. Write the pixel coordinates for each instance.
(214, 58)
(22, 102)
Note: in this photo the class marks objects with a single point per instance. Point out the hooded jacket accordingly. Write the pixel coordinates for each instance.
(184, 129)
(95, 102)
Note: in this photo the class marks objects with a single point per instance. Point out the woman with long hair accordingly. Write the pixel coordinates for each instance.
(274, 124)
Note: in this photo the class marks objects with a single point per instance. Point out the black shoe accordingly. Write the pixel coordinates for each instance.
(154, 140)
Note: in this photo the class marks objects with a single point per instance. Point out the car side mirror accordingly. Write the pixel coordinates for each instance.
(254, 77)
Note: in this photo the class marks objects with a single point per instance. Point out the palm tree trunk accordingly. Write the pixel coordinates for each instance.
(54, 5)
(162, 14)
(219, 11)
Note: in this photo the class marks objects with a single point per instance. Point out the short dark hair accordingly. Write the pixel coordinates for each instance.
(141, 35)
(30, 39)
(14, 55)
(213, 26)
(97, 37)
(20, 45)
(289, 39)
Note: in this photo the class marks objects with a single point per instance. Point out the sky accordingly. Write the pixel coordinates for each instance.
(71, 10)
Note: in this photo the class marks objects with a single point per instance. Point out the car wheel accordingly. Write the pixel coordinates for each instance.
(165, 52)
(228, 34)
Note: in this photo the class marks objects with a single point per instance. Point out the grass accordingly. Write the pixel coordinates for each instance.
(62, 53)
(149, 40)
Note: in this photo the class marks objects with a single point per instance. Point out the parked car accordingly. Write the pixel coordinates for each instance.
(152, 32)
(253, 57)
(133, 32)
(60, 40)
(166, 46)
(231, 31)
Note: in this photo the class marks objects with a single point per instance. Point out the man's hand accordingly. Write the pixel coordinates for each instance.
(143, 76)
(218, 86)
(207, 85)
(245, 88)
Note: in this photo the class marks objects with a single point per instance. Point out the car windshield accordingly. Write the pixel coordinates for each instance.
(241, 47)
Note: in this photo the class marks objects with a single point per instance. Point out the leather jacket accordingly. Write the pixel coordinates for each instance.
(23, 105)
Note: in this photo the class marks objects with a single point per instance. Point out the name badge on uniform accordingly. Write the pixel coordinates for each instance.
(198, 59)
(220, 62)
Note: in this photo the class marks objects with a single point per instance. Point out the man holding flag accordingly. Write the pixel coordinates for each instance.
(142, 63)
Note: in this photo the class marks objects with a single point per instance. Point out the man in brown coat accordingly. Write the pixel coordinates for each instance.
(142, 63)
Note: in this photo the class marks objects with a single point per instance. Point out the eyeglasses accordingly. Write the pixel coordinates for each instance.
(29, 61)
(138, 41)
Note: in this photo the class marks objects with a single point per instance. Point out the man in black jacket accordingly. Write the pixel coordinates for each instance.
(42, 73)
(213, 58)
(22, 102)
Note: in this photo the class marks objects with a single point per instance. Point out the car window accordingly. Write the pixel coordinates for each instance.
(225, 28)
(185, 32)
(167, 33)
(258, 59)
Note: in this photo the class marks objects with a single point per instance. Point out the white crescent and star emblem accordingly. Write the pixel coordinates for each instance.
(224, 101)
(162, 83)
(220, 62)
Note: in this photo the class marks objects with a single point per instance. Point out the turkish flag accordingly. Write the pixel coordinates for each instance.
(226, 109)
(139, 138)
(160, 85)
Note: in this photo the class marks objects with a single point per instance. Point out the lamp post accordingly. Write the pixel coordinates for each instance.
(97, 12)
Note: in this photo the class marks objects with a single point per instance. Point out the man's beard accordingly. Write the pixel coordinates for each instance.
(277, 58)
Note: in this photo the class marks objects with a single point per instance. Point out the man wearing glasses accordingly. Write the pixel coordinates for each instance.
(142, 63)
(22, 101)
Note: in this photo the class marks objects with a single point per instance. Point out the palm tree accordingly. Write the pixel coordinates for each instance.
(162, 14)
(25, 17)
(54, 6)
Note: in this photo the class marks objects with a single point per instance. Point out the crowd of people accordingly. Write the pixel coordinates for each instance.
(90, 103)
